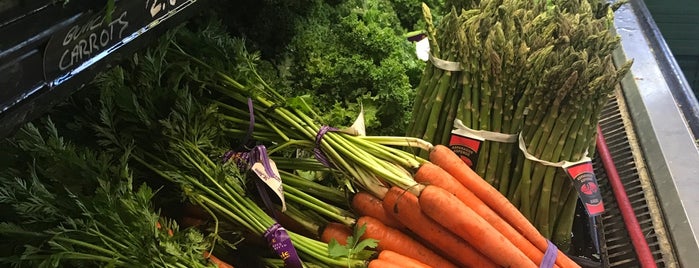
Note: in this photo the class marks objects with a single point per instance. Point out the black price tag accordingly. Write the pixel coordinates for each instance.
(467, 148)
(585, 183)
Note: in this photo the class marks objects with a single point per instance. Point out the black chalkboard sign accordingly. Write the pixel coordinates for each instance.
(91, 38)
(47, 53)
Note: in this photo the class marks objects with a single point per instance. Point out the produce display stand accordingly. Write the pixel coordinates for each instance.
(650, 129)
(48, 51)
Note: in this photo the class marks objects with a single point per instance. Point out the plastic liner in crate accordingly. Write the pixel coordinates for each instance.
(49, 49)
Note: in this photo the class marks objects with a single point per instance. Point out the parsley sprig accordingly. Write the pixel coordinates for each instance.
(355, 247)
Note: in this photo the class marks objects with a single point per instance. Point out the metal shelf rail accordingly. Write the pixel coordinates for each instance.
(663, 118)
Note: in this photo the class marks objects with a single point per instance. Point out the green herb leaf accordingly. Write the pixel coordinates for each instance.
(335, 250)
(355, 246)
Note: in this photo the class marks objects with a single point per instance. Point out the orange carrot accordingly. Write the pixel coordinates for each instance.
(366, 204)
(337, 231)
(404, 261)
(429, 173)
(169, 231)
(218, 262)
(404, 206)
(453, 214)
(395, 240)
(445, 158)
(379, 263)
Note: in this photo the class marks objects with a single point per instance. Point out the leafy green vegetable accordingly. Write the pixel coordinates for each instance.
(410, 11)
(74, 207)
(354, 247)
(167, 106)
(355, 52)
(342, 53)
(268, 25)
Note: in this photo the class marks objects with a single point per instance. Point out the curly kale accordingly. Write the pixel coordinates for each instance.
(356, 52)
(410, 11)
(268, 24)
(341, 52)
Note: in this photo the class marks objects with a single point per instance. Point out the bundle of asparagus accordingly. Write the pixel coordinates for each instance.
(432, 116)
(534, 72)
(577, 81)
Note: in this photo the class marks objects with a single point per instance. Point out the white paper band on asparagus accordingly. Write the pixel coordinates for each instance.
(560, 164)
(463, 130)
(445, 65)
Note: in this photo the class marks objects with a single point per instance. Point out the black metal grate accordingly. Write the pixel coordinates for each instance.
(616, 246)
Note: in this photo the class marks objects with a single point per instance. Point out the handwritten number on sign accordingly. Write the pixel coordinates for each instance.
(159, 5)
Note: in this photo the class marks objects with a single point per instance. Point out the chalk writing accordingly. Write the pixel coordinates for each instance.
(91, 38)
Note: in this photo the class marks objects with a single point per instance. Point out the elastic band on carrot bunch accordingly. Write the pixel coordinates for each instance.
(317, 152)
(549, 256)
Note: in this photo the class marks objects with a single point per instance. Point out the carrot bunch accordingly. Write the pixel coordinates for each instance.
(436, 211)
(453, 218)
(459, 222)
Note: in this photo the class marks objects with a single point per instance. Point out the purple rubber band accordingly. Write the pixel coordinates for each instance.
(259, 154)
(317, 152)
(227, 156)
(245, 160)
(279, 240)
(550, 255)
(239, 158)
